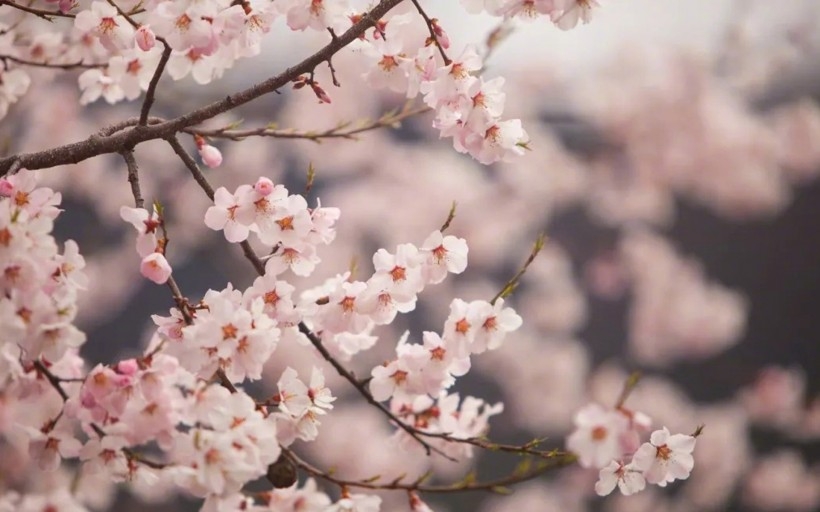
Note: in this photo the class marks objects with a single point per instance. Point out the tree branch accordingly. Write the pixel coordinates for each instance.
(469, 483)
(342, 131)
(152, 86)
(96, 145)
(46, 15)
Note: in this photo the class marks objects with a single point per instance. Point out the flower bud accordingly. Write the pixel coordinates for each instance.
(156, 268)
(320, 93)
(145, 38)
(65, 5)
(441, 36)
(263, 186)
(210, 155)
(128, 367)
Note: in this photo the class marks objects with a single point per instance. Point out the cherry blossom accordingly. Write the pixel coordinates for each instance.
(156, 268)
(230, 213)
(180, 415)
(104, 22)
(665, 458)
(597, 437)
(628, 479)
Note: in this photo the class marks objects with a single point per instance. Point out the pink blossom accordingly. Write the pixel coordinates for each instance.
(443, 255)
(156, 268)
(596, 438)
(49, 448)
(263, 186)
(665, 458)
(628, 479)
(231, 213)
(103, 21)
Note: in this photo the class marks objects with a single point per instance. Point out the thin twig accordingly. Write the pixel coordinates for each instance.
(467, 484)
(348, 376)
(52, 65)
(512, 284)
(124, 14)
(133, 177)
(450, 216)
(333, 36)
(152, 85)
(629, 385)
(181, 302)
(192, 166)
(431, 27)
(52, 379)
(342, 131)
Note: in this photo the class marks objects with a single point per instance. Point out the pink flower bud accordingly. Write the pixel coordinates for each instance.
(156, 268)
(441, 36)
(64, 5)
(210, 155)
(6, 188)
(263, 186)
(145, 38)
(128, 367)
(320, 93)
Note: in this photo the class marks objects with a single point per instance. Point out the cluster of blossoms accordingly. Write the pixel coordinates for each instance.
(119, 45)
(467, 108)
(38, 303)
(233, 333)
(610, 440)
(418, 378)
(38, 284)
(281, 221)
(205, 438)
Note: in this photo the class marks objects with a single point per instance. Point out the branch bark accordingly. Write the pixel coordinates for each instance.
(96, 145)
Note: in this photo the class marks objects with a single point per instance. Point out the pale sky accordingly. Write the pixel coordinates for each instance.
(697, 25)
(693, 23)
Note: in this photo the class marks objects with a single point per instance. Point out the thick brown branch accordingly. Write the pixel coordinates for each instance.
(46, 15)
(98, 145)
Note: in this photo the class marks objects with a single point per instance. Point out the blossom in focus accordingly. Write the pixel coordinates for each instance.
(156, 268)
(626, 477)
(666, 457)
